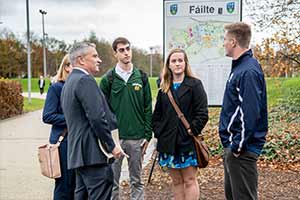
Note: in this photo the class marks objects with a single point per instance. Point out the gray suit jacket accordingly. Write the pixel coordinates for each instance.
(85, 109)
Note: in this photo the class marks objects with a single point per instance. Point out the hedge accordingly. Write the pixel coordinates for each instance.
(11, 99)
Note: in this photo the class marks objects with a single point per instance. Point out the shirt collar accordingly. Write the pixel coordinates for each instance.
(81, 69)
(119, 70)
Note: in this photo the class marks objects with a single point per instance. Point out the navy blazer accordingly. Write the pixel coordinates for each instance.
(85, 109)
(52, 113)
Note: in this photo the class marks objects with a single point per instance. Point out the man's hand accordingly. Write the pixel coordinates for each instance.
(144, 146)
(117, 152)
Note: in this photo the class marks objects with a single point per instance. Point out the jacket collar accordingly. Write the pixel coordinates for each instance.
(244, 55)
(184, 87)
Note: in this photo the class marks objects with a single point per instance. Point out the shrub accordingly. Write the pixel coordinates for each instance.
(11, 99)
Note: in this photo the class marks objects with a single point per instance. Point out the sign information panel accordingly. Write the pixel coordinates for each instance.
(198, 28)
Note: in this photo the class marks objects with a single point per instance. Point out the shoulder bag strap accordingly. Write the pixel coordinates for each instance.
(180, 114)
(62, 135)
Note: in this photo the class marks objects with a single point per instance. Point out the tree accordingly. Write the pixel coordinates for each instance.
(56, 50)
(281, 20)
(12, 54)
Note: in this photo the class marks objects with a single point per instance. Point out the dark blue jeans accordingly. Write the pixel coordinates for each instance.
(65, 185)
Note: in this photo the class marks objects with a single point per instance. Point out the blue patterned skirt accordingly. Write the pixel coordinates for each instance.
(178, 161)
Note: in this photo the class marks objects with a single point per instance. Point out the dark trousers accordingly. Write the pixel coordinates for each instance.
(94, 182)
(41, 90)
(240, 175)
(65, 185)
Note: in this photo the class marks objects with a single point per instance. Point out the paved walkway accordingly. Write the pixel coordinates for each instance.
(19, 168)
(35, 95)
(20, 177)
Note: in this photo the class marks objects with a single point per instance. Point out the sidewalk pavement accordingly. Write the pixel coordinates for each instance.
(20, 176)
(36, 95)
(19, 168)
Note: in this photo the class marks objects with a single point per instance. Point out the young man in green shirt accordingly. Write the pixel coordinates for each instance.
(128, 92)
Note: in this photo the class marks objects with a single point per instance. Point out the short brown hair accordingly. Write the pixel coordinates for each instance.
(119, 40)
(241, 32)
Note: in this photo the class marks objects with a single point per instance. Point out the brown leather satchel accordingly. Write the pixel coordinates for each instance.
(48, 155)
(200, 147)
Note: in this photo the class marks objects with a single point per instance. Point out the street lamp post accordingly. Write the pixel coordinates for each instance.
(28, 53)
(44, 44)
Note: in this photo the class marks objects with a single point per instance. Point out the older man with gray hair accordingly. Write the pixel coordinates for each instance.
(88, 119)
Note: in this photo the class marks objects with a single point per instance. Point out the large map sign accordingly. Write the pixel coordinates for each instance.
(198, 28)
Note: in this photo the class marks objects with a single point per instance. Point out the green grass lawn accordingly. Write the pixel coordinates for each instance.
(280, 88)
(35, 104)
(34, 84)
(277, 88)
(153, 86)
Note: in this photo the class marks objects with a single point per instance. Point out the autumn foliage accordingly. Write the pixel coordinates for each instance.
(279, 56)
(278, 21)
(13, 55)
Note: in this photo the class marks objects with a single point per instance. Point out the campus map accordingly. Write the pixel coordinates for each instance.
(203, 41)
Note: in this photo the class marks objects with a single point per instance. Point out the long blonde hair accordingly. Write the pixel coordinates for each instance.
(62, 73)
(167, 77)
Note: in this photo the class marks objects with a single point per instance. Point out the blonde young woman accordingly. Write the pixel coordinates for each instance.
(52, 114)
(175, 146)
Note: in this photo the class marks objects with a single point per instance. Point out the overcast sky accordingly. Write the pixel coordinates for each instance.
(141, 21)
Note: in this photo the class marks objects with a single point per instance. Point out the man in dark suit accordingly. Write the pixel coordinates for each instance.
(41, 84)
(86, 113)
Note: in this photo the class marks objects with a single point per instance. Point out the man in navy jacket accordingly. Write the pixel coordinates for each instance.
(243, 121)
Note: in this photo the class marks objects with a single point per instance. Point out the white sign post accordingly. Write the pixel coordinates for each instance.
(197, 26)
